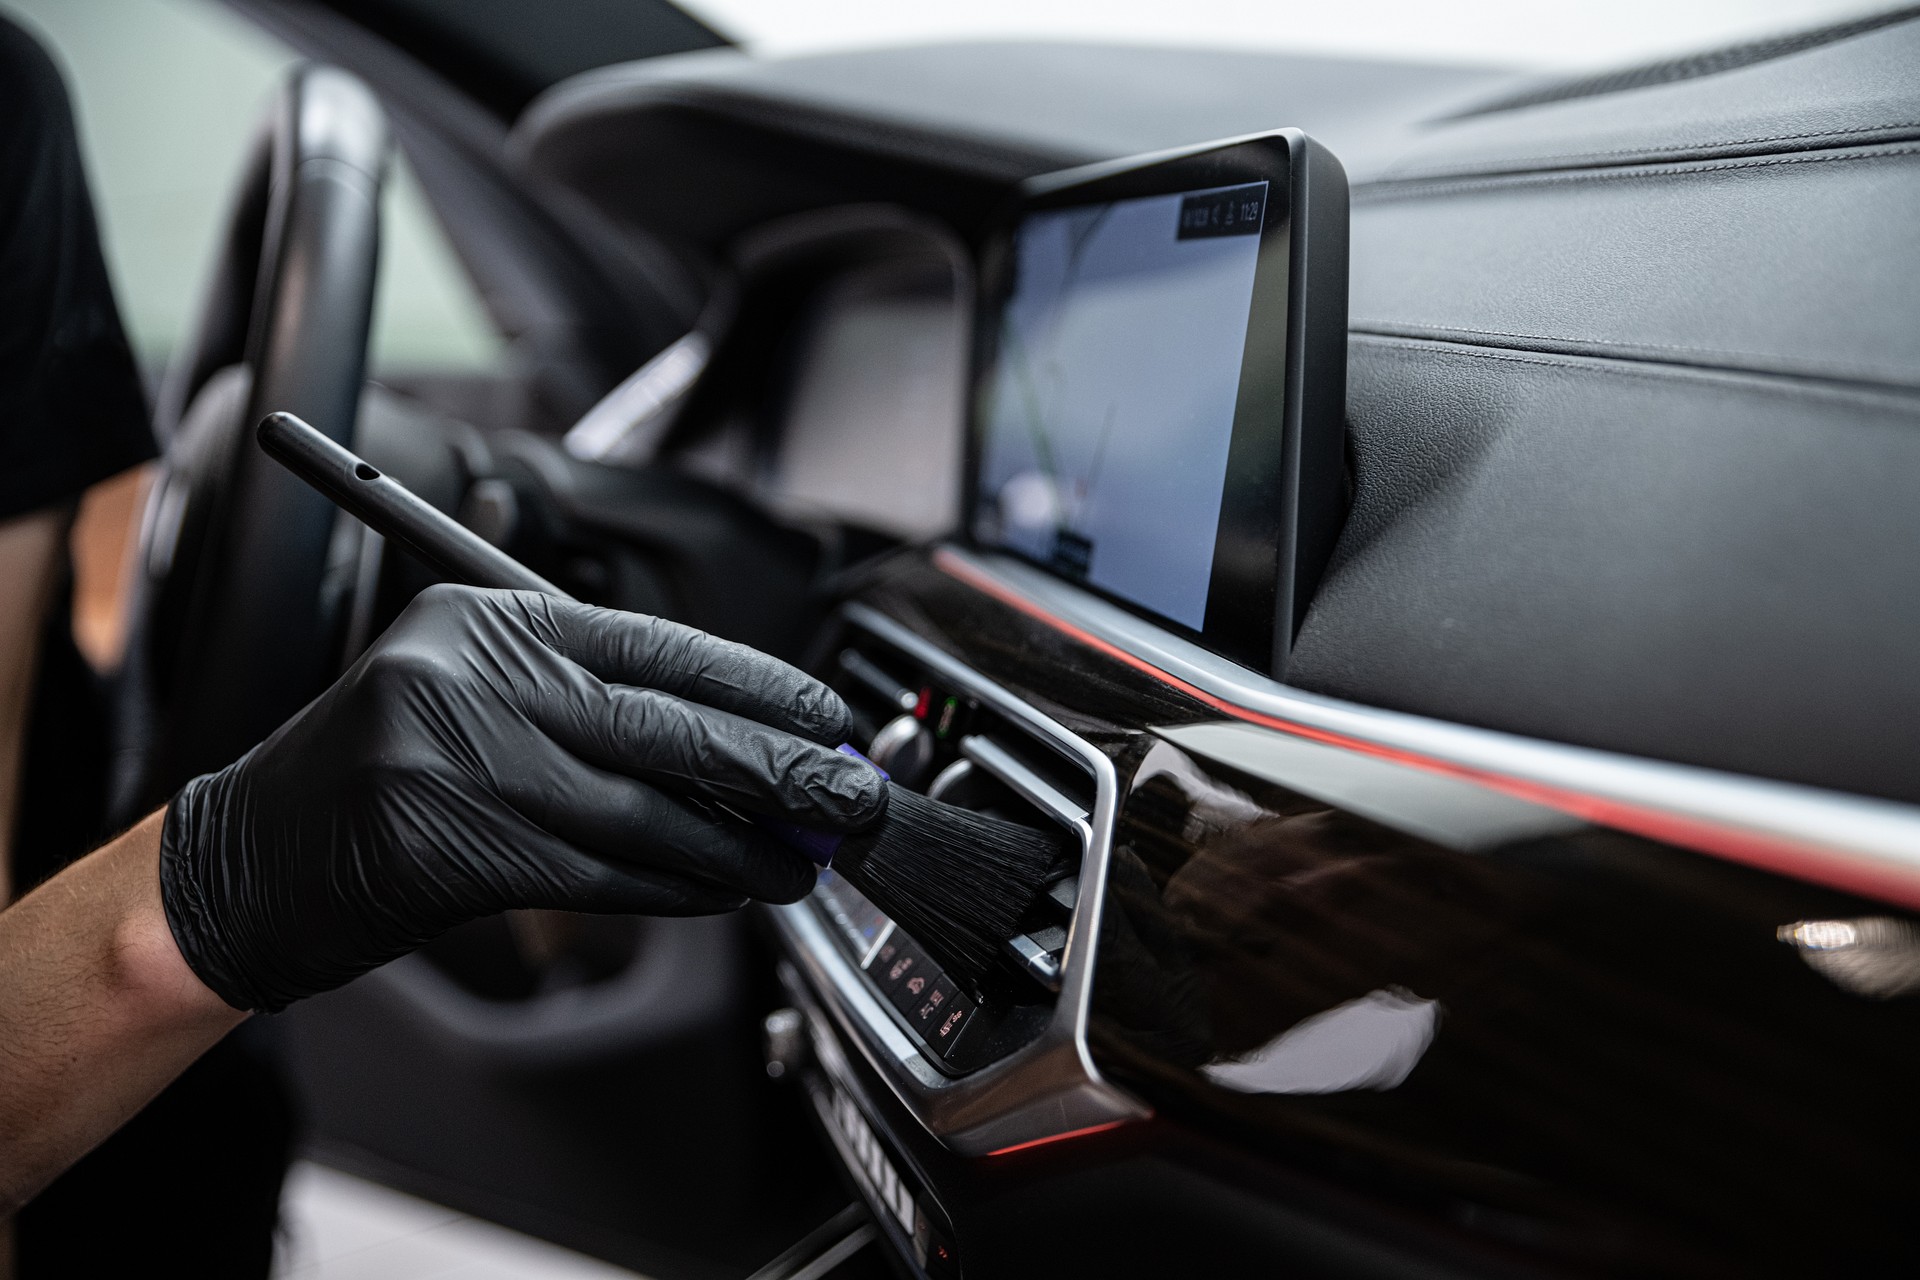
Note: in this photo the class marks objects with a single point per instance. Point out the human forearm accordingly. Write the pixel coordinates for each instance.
(29, 567)
(493, 750)
(97, 1013)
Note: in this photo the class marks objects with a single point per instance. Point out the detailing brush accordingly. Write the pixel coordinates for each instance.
(956, 880)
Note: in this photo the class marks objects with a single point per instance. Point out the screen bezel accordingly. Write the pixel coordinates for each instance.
(1244, 582)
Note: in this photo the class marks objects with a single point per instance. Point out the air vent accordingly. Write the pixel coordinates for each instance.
(936, 734)
(1004, 1066)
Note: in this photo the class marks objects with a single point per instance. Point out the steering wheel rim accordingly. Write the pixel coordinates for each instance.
(230, 633)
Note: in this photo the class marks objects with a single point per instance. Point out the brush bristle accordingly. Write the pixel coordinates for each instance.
(957, 880)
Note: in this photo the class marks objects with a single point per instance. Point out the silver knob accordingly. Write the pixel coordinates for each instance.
(904, 748)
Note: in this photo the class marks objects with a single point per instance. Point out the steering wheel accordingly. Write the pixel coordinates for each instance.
(231, 629)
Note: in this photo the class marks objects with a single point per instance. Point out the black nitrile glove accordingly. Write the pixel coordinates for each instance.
(500, 749)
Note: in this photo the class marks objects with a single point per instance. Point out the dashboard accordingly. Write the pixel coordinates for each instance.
(1555, 914)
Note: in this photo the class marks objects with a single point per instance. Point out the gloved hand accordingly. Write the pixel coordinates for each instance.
(500, 749)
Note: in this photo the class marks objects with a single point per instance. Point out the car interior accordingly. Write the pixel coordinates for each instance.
(1545, 906)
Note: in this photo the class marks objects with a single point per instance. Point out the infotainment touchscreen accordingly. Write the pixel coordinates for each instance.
(1111, 410)
(1139, 416)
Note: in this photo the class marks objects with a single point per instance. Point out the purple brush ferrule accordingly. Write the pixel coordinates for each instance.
(817, 847)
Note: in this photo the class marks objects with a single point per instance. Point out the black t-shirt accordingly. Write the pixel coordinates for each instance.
(72, 410)
(195, 1178)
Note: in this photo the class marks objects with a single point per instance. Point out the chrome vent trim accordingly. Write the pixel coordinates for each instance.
(1051, 1086)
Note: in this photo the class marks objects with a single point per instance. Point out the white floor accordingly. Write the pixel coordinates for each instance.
(338, 1227)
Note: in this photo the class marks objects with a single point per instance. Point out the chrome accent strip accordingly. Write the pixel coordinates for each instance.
(1871, 830)
(878, 682)
(827, 970)
(1030, 786)
(1049, 1087)
(873, 949)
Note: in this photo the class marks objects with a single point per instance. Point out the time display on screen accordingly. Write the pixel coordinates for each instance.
(1237, 211)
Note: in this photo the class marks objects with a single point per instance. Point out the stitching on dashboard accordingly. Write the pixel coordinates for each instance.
(1437, 332)
(1469, 167)
(1783, 384)
(1409, 189)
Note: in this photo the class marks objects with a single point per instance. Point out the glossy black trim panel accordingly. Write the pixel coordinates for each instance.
(1441, 1004)
(1563, 1042)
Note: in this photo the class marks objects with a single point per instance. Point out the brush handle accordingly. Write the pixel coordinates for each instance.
(392, 510)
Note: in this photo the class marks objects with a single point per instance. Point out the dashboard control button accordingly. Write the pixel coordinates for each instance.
(954, 1014)
(896, 960)
(914, 987)
(934, 1001)
(902, 973)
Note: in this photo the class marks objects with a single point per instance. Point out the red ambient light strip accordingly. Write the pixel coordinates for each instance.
(1821, 865)
(1057, 1137)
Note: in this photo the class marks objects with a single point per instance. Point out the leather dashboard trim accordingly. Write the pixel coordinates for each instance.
(1793, 375)
(1384, 189)
(1702, 149)
(1776, 380)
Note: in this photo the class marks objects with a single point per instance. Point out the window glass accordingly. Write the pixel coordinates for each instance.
(427, 315)
(169, 95)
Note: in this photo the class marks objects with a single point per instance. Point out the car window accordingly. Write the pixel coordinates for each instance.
(169, 95)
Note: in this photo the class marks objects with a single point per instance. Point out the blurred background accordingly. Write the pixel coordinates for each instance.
(170, 92)
(168, 95)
